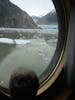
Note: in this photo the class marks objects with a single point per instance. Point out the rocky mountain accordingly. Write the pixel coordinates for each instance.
(12, 16)
(50, 18)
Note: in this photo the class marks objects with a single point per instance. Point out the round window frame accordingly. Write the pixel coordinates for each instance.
(57, 63)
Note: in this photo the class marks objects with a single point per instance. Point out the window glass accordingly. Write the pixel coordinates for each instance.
(28, 36)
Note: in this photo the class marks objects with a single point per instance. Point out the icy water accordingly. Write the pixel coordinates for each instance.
(29, 48)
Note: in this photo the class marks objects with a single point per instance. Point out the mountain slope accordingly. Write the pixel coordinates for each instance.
(13, 16)
(50, 18)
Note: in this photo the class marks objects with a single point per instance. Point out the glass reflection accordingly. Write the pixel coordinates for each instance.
(28, 36)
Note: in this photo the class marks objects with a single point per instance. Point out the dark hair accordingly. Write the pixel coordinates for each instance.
(23, 84)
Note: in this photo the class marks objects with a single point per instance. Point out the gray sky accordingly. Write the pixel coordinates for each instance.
(35, 7)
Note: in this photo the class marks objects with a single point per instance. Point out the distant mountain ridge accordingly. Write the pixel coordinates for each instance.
(50, 18)
(35, 18)
(12, 16)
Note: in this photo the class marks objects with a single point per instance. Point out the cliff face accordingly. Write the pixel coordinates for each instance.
(13, 17)
(50, 18)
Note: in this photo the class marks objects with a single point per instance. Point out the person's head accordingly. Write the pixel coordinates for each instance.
(23, 84)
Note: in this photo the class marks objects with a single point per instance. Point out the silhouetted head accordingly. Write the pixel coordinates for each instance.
(23, 84)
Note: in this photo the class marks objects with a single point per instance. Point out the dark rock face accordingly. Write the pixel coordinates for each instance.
(50, 18)
(12, 16)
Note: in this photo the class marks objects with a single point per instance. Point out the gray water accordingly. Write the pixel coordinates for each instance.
(29, 48)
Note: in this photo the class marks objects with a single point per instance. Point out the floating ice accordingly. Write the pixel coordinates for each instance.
(12, 41)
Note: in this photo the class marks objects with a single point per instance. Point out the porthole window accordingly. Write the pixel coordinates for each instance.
(30, 37)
